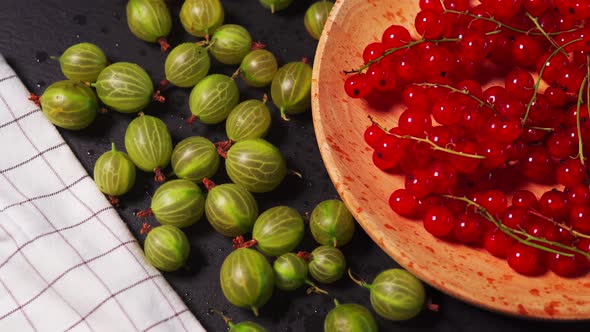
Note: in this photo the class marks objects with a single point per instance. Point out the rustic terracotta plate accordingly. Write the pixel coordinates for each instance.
(469, 274)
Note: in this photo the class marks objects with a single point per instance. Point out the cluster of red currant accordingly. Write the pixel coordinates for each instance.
(464, 149)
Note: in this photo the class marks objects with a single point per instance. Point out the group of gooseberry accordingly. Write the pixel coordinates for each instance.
(466, 143)
(253, 164)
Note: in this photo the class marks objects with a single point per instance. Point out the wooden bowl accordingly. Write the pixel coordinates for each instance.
(469, 274)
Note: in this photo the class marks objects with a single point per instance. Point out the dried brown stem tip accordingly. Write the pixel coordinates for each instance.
(113, 200)
(223, 147)
(158, 97)
(34, 98)
(305, 255)
(159, 176)
(239, 242)
(209, 184)
(164, 46)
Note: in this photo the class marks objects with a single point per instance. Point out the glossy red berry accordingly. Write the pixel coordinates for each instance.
(384, 165)
(395, 36)
(578, 194)
(381, 76)
(537, 163)
(372, 135)
(568, 267)
(404, 203)
(414, 122)
(535, 7)
(515, 217)
(580, 218)
(553, 204)
(429, 24)
(465, 164)
(390, 148)
(524, 199)
(570, 172)
(357, 86)
(418, 184)
(524, 49)
(415, 96)
(443, 177)
(497, 243)
(446, 112)
(526, 260)
(561, 145)
(520, 83)
(469, 228)
(373, 51)
(439, 221)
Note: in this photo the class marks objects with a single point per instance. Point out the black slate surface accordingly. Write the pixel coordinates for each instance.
(31, 30)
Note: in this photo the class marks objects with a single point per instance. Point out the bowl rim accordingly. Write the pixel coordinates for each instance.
(329, 157)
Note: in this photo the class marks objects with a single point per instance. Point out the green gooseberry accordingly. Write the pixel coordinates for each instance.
(201, 17)
(258, 68)
(148, 142)
(150, 21)
(277, 231)
(179, 203)
(291, 273)
(124, 87)
(247, 279)
(70, 105)
(187, 64)
(82, 62)
(250, 119)
(331, 223)
(395, 294)
(166, 248)
(275, 5)
(349, 317)
(213, 98)
(230, 44)
(240, 327)
(327, 264)
(230, 208)
(195, 158)
(255, 164)
(316, 17)
(291, 88)
(114, 172)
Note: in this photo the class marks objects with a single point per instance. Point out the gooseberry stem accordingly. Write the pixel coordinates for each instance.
(236, 73)
(566, 227)
(209, 184)
(358, 281)
(314, 289)
(464, 92)
(295, 173)
(164, 46)
(521, 236)
(538, 83)
(53, 57)
(144, 213)
(284, 114)
(226, 319)
(159, 176)
(336, 302)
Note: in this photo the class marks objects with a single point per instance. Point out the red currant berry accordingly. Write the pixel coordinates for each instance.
(580, 218)
(415, 96)
(418, 184)
(553, 66)
(524, 199)
(535, 7)
(511, 108)
(515, 217)
(570, 172)
(408, 67)
(526, 260)
(498, 243)
(571, 78)
(494, 201)
(444, 178)
(433, 5)
(494, 153)
(437, 62)
(474, 45)
(495, 94)
(503, 9)
(395, 36)
(568, 267)
(465, 164)
(520, 83)
(556, 96)
(524, 50)
(446, 112)
(578, 194)
(373, 51)
(390, 148)
(372, 135)
(561, 145)
(537, 163)
(357, 86)
(403, 203)
(553, 204)
(429, 24)
(439, 221)
(469, 228)
(474, 118)
(382, 164)
(381, 76)
(414, 122)
(503, 130)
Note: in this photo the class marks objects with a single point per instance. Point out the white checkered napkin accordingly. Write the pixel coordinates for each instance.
(67, 260)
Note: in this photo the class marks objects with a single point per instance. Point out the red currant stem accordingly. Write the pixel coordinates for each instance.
(541, 128)
(391, 50)
(464, 92)
(503, 25)
(226, 319)
(538, 83)
(544, 33)
(377, 124)
(438, 148)
(314, 289)
(518, 234)
(579, 128)
(358, 281)
(588, 85)
(564, 226)
(442, 4)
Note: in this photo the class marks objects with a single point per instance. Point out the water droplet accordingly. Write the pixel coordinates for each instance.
(40, 84)
(220, 249)
(41, 56)
(142, 52)
(77, 36)
(116, 44)
(104, 30)
(90, 152)
(80, 19)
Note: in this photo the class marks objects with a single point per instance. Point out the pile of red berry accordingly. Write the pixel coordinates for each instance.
(466, 150)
